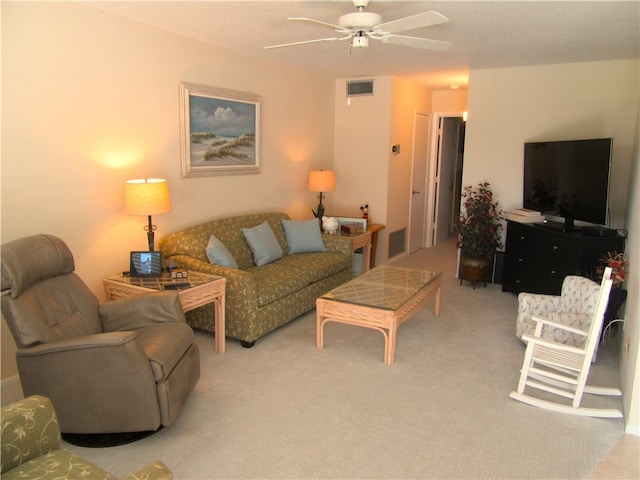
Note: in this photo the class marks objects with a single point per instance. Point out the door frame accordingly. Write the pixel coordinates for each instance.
(431, 173)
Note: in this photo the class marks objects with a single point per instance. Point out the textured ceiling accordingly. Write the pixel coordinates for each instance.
(486, 34)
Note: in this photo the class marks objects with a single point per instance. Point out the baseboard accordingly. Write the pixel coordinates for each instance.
(632, 430)
(10, 390)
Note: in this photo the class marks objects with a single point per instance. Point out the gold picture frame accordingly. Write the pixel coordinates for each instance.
(219, 131)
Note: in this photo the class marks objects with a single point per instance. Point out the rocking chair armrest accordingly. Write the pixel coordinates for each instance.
(530, 341)
(543, 321)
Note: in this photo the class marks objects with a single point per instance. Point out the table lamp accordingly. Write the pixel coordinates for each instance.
(321, 181)
(147, 196)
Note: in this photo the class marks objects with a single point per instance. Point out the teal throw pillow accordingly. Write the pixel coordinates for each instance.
(218, 254)
(263, 244)
(303, 236)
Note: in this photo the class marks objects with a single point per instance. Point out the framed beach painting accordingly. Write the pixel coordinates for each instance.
(219, 130)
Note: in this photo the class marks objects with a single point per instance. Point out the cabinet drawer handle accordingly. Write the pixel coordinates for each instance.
(555, 247)
(553, 272)
(521, 260)
(522, 237)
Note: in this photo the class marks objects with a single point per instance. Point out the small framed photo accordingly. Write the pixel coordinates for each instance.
(362, 222)
(219, 131)
(145, 264)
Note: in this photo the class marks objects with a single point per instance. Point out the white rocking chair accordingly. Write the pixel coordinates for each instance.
(562, 369)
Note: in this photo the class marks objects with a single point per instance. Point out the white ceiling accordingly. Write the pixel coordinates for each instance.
(486, 34)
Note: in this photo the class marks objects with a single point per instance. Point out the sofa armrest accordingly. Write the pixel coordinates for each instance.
(235, 277)
(338, 244)
(153, 471)
(241, 293)
(29, 429)
(136, 311)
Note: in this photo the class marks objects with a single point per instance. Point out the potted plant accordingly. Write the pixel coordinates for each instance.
(479, 229)
(618, 295)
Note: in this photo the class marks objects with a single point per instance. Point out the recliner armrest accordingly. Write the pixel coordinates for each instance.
(136, 311)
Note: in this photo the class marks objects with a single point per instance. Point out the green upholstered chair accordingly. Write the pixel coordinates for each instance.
(32, 447)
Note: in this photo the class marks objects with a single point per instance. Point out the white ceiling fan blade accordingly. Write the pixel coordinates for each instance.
(319, 23)
(416, 42)
(420, 20)
(330, 39)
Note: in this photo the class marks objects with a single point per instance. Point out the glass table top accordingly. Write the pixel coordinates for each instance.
(383, 287)
(165, 282)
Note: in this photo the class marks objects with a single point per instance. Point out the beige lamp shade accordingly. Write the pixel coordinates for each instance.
(321, 181)
(146, 196)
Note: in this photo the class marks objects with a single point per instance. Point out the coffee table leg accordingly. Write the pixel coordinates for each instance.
(436, 303)
(219, 325)
(319, 332)
(390, 346)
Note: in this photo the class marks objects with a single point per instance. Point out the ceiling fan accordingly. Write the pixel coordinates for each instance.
(360, 26)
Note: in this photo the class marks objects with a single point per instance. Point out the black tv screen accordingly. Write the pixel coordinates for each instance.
(569, 179)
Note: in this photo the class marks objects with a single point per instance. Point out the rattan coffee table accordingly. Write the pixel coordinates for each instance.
(382, 299)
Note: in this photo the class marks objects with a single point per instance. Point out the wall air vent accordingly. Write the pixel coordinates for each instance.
(397, 241)
(359, 87)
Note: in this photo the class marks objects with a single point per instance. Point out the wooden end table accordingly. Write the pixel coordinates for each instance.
(202, 289)
(382, 299)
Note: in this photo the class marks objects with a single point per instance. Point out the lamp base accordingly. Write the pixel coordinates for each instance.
(319, 213)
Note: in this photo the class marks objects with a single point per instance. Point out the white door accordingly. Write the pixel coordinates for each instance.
(417, 225)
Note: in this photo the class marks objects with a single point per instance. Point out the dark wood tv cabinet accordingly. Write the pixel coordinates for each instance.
(537, 258)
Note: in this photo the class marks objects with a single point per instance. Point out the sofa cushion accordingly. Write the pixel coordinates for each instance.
(263, 244)
(303, 236)
(295, 272)
(218, 254)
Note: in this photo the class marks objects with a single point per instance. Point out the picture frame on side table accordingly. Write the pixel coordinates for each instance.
(219, 131)
(346, 220)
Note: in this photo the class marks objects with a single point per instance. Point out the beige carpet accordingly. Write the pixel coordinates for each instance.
(283, 409)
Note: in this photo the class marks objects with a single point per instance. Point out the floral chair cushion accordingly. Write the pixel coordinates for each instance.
(574, 307)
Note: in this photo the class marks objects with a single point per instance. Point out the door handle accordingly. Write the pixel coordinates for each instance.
(414, 192)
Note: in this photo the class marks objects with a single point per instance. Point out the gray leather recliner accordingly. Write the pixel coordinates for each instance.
(123, 366)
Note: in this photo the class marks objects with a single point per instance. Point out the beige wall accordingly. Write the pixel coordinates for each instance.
(407, 99)
(366, 170)
(509, 106)
(450, 101)
(630, 362)
(362, 130)
(90, 100)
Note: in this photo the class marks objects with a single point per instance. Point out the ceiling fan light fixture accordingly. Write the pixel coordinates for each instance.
(360, 26)
(360, 41)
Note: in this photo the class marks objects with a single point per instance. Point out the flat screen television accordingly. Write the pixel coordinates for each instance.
(569, 179)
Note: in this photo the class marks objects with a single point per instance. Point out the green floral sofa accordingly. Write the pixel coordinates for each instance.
(32, 447)
(259, 299)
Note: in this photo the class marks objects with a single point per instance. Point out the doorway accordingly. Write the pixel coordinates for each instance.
(446, 186)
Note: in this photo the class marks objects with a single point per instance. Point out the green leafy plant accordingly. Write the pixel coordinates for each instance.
(480, 223)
